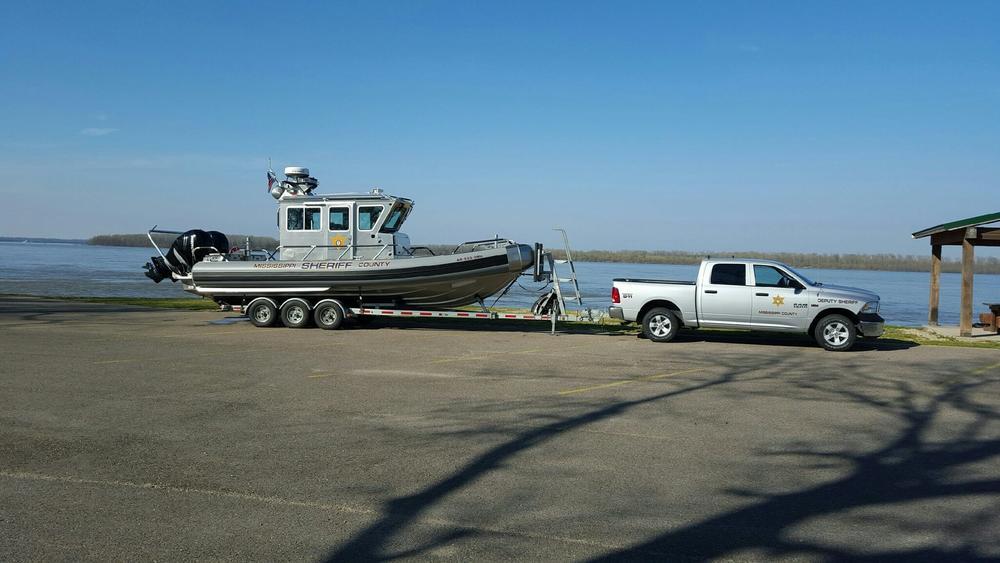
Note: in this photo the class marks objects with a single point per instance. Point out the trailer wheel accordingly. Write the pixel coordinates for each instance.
(835, 333)
(328, 315)
(660, 324)
(262, 313)
(295, 313)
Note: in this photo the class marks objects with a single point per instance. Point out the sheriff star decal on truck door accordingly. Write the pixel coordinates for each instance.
(778, 300)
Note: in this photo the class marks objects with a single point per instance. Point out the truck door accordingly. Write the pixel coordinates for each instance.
(725, 296)
(780, 302)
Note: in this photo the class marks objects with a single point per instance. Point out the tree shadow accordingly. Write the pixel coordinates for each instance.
(909, 467)
(398, 513)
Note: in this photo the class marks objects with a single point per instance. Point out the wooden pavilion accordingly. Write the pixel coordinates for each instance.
(969, 233)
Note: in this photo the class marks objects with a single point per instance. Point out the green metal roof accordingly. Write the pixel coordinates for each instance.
(961, 224)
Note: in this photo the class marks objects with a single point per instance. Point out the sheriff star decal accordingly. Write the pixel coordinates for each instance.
(778, 300)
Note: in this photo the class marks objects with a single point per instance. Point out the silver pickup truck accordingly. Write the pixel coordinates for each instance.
(752, 295)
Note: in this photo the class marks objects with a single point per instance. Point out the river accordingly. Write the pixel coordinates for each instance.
(67, 269)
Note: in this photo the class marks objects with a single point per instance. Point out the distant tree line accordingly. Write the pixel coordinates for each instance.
(256, 242)
(886, 262)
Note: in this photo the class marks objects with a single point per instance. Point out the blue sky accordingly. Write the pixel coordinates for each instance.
(799, 126)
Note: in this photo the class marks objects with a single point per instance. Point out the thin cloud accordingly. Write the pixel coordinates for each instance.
(750, 48)
(97, 131)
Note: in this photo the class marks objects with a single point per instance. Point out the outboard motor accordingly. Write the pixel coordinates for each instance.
(186, 251)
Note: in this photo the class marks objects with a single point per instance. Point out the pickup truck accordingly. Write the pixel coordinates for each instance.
(759, 295)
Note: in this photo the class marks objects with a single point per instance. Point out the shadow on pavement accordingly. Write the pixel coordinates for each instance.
(908, 465)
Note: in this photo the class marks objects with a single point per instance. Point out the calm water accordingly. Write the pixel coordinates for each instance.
(105, 271)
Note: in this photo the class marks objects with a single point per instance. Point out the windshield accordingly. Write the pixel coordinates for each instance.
(800, 276)
(396, 218)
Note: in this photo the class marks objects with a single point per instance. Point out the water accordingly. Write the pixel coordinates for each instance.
(108, 271)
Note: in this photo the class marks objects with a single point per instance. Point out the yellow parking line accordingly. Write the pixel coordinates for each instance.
(200, 334)
(445, 360)
(627, 381)
(986, 368)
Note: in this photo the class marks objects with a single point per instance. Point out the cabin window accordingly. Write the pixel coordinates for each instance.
(395, 219)
(368, 217)
(304, 218)
(729, 274)
(340, 218)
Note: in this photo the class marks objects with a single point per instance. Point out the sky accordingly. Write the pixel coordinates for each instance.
(704, 126)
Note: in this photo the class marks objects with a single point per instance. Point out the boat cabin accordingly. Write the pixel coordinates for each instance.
(343, 227)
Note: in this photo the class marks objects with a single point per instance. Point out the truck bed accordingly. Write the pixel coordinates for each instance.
(638, 280)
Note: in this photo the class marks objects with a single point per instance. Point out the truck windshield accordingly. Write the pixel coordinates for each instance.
(801, 277)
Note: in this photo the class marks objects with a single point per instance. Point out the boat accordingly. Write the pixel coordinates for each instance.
(347, 247)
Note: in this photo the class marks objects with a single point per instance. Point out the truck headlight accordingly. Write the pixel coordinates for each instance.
(870, 307)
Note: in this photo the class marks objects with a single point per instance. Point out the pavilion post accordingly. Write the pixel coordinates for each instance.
(935, 299)
(968, 259)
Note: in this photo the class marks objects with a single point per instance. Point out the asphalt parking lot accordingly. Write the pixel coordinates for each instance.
(131, 434)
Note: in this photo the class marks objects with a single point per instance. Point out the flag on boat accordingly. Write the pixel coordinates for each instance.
(271, 179)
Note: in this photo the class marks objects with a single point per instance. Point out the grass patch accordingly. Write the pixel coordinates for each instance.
(924, 338)
(155, 303)
(179, 303)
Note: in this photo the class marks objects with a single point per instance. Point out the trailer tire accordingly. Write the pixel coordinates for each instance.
(262, 313)
(660, 324)
(328, 315)
(835, 333)
(295, 313)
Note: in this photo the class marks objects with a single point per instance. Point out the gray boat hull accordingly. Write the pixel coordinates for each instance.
(432, 282)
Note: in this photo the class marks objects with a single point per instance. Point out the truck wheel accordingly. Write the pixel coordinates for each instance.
(295, 313)
(836, 333)
(328, 316)
(660, 324)
(262, 313)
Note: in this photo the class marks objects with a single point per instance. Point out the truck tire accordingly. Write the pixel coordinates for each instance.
(660, 324)
(262, 313)
(295, 313)
(835, 333)
(328, 315)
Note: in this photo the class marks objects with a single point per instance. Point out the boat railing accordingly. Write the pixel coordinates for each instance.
(346, 248)
(494, 242)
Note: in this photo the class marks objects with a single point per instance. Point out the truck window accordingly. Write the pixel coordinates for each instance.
(729, 274)
(769, 276)
(339, 218)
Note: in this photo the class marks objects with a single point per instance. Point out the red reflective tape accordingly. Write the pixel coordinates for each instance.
(386, 312)
(510, 316)
(529, 317)
(426, 314)
(406, 312)
(463, 314)
(481, 315)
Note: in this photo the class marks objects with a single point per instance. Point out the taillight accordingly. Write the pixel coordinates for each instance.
(615, 296)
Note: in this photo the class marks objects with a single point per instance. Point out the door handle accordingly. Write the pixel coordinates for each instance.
(710, 291)
(762, 295)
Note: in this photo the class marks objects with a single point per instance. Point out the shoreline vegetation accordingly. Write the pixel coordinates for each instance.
(878, 262)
